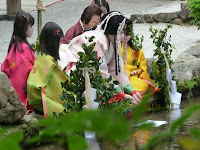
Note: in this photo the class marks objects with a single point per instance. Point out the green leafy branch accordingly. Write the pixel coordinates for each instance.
(159, 67)
(135, 39)
(194, 7)
(36, 45)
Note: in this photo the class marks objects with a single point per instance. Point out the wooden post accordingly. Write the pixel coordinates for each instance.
(39, 21)
(13, 6)
(40, 8)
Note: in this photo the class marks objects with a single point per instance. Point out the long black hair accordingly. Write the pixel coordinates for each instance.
(110, 24)
(50, 37)
(114, 22)
(102, 3)
(21, 23)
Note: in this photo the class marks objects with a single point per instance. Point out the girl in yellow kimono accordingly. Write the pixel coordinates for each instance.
(44, 81)
(137, 68)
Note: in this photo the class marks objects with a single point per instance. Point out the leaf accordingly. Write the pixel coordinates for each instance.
(11, 142)
(91, 38)
(109, 79)
(76, 143)
(195, 132)
(3, 130)
(140, 109)
(116, 82)
(80, 54)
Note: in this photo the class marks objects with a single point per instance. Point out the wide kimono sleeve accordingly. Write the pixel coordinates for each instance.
(143, 66)
(44, 86)
(122, 77)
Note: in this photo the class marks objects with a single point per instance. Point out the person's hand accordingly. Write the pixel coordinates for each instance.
(136, 98)
(133, 73)
(136, 72)
(134, 102)
(140, 71)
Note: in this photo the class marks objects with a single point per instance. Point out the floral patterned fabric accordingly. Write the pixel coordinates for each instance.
(44, 85)
(17, 67)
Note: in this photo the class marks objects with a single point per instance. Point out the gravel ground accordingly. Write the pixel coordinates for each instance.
(67, 13)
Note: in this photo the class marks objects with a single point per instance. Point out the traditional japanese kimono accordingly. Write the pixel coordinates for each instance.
(75, 30)
(141, 82)
(44, 85)
(68, 58)
(17, 67)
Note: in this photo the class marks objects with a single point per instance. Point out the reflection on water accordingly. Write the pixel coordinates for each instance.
(92, 144)
(143, 136)
(174, 114)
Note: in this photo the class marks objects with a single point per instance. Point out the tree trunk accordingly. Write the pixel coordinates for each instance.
(13, 7)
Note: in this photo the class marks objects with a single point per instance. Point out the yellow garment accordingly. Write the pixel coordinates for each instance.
(44, 86)
(140, 82)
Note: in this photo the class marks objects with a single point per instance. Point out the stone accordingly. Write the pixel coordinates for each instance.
(194, 50)
(177, 21)
(149, 64)
(148, 18)
(186, 67)
(28, 130)
(29, 120)
(11, 108)
(184, 13)
(137, 18)
(165, 17)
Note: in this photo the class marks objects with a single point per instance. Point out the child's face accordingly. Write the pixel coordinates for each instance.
(127, 37)
(29, 31)
(104, 11)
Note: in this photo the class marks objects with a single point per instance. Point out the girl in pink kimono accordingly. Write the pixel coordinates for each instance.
(21, 57)
(107, 39)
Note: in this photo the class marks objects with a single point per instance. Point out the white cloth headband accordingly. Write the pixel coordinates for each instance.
(108, 18)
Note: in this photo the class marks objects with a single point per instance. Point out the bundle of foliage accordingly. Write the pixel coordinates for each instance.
(194, 7)
(158, 72)
(74, 86)
(136, 40)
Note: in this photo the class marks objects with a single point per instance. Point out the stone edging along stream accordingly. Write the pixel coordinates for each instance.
(178, 17)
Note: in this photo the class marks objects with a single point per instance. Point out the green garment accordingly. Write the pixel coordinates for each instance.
(46, 75)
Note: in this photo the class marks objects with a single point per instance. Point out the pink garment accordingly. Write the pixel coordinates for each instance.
(68, 54)
(17, 67)
(75, 30)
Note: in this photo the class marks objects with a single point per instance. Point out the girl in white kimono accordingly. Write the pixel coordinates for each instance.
(107, 38)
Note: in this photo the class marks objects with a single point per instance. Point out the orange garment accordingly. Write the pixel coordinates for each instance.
(140, 81)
